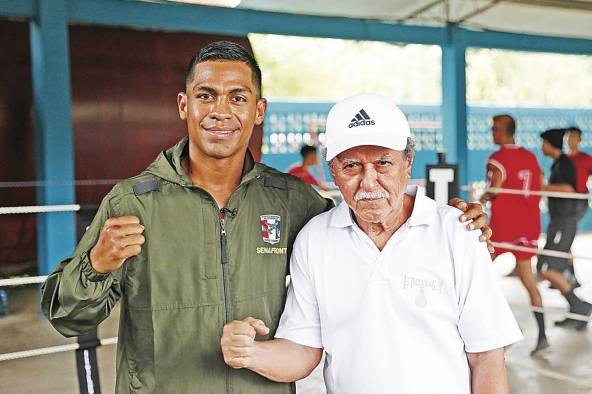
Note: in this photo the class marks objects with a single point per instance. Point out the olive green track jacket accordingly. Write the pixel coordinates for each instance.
(201, 266)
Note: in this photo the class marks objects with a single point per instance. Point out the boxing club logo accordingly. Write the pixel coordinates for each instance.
(361, 119)
(270, 228)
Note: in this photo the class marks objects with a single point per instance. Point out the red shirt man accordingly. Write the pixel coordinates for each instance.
(309, 159)
(516, 218)
(302, 173)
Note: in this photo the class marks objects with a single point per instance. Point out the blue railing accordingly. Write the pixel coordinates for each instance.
(290, 124)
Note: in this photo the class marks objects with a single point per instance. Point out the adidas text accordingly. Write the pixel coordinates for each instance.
(361, 123)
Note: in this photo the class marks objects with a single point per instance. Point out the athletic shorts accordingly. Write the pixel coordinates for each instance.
(560, 235)
(520, 255)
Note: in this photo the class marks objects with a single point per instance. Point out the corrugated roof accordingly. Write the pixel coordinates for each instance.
(560, 18)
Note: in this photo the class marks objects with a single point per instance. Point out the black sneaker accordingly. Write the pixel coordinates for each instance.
(573, 324)
(583, 308)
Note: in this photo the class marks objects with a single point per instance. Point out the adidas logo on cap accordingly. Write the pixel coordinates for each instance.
(361, 119)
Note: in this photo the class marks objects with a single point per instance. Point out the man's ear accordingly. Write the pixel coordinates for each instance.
(182, 105)
(261, 108)
(331, 166)
(410, 158)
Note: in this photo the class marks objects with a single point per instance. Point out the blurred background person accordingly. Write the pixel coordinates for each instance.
(583, 163)
(515, 167)
(309, 159)
(562, 226)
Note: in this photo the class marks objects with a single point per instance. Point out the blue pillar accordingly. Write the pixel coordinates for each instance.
(54, 154)
(454, 103)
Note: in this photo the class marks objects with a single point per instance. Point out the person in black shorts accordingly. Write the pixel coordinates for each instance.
(561, 231)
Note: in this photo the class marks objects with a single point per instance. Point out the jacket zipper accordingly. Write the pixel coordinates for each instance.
(225, 269)
(226, 283)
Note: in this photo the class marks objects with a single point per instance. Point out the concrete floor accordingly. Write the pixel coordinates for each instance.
(565, 369)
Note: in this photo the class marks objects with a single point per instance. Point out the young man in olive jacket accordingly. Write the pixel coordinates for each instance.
(200, 238)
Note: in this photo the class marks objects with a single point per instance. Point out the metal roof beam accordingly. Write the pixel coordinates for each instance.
(203, 19)
(525, 42)
(478, 11)
(421, 10)
(564, 4)
(217, 20)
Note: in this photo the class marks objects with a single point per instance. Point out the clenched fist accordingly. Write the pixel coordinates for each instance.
(238, 341)
(120, 238)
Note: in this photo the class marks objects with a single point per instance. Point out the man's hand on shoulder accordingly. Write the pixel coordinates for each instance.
(120, 238)
(474, 211)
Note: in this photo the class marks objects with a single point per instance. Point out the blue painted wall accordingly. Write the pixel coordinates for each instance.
(288, 125)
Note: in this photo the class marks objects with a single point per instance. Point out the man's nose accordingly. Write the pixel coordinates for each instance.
(369, 178)
(221, 109)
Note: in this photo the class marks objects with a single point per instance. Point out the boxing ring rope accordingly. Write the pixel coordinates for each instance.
(541, 252)
(51, 350)
(26, 210)
(85, 347)
(39, 209)
(28, 280)
(78, 182)
(499, 190)
(332, 194)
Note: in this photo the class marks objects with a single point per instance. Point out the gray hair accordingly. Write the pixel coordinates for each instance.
(409, 150)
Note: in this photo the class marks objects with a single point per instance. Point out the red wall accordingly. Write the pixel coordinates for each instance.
(124, 88)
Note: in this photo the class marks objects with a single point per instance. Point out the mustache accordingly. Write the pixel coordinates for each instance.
(371, 195)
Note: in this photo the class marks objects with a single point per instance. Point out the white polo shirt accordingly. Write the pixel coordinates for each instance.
(398, 320)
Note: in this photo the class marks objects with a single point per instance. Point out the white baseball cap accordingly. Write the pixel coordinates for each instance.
(365, 119)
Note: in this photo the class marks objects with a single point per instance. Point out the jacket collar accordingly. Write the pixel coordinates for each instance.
(168, 165)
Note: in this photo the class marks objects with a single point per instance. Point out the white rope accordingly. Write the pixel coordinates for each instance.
(526, 366)
(39, 209)
(541, 252)
(50, 350)
(81, 182)
(573, 316)
(581, 196)
(28, 280)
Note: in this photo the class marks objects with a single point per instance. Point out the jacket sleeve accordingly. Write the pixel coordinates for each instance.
(74, 297)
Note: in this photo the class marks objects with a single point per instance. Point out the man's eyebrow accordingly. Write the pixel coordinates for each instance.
(211, 90)
(205, 88)
(240, 90)
(386, 156)
(347, 160)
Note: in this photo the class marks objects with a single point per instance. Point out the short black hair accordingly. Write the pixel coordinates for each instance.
(229, 51)
(511, 129)
(554, 137)
(307, 150)
(574, 129)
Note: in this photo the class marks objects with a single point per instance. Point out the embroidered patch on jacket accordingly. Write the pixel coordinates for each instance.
(270, 228)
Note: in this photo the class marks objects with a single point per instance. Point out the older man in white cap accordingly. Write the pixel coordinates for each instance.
(398, 295)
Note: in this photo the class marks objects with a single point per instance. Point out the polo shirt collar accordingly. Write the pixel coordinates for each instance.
(423, 210)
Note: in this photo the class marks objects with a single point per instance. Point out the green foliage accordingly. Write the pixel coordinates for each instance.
(329, 69)
(509, 78)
